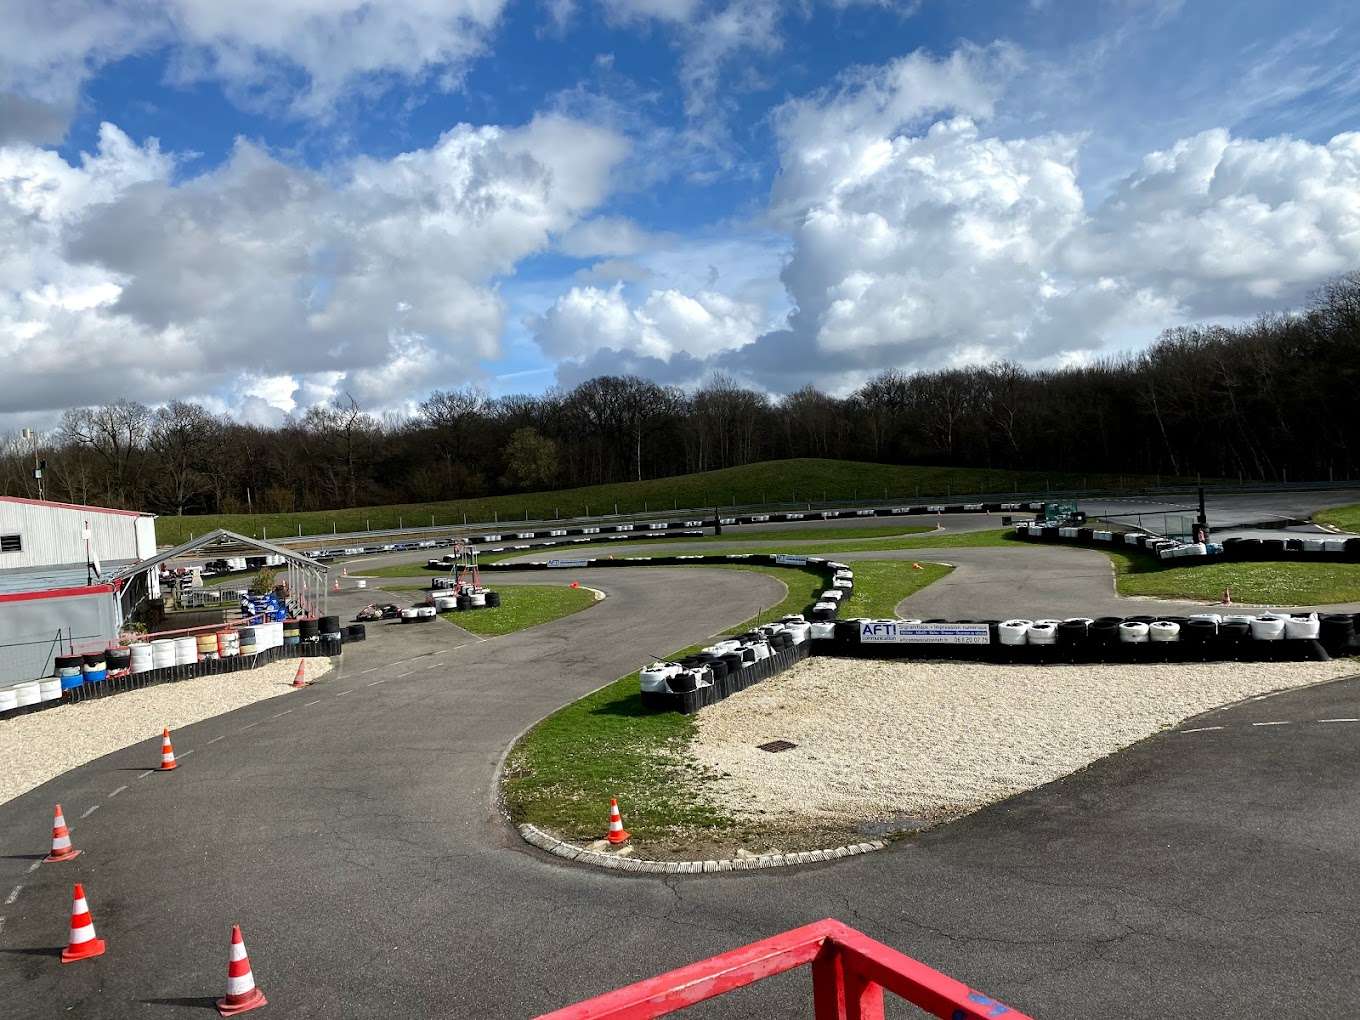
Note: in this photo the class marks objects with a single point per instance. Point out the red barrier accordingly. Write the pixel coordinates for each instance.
(849, 973)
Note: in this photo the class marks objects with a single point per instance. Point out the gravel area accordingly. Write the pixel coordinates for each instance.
(42, 745)
(881, 740)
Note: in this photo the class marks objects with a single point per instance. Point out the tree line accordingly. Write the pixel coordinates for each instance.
(1271, 400)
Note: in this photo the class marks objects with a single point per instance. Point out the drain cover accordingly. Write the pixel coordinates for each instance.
(775, 746)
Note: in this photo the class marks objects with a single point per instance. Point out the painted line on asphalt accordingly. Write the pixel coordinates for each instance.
(90, 810)
(369, 670)
(14, 894)
(34, 866)
(185, 754)
(277, 714)
(1340, 720)
(311, 703)
(251, 726)
(146, 773)
(116, 792)
(400, 675)
(376, 682)
(217, 738)
(433, 666)
(340, 694)
(1201, 729)
(1275, 722)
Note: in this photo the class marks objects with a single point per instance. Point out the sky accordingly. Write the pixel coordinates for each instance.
(264, 206)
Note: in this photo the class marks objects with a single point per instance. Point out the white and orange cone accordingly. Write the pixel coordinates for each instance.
(617, 833)
(167, 752)
(62, 850)
(917, 566)
(297, 677)
(241, 991)
(82, 944)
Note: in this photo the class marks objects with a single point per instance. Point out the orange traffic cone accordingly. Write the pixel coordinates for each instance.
(297, 677)
(336, 585)
(1227, 596)
(617, 833)
(62, 850)
(574, 584)
(917, 566)
(82, 944)
(241, 991)
(167, 752)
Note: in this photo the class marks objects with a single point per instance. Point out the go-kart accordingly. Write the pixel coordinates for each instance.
(378, 612)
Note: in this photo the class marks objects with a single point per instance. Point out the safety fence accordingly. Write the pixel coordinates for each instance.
(850, 973)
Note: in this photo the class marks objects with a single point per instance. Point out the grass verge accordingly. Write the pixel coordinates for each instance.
(561, 774)
(524, 606)
(797, 480)
(1347, 518)
(1256, 583)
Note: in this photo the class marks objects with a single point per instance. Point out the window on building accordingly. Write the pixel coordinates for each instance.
(10, 543)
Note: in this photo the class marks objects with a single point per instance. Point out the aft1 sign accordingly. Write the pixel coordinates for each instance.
(568, 563)
(890, 632)
(785, 560)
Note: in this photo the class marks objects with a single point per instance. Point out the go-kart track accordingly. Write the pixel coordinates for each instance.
(352, 829)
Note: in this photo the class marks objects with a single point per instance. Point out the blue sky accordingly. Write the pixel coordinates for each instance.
(267, 205)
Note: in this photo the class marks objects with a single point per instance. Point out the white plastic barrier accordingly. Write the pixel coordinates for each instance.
(186, 651)
(28, 693)
(49, 689)
(1164, 630)
(1302, 627)
(9, 699)
(821, 630)
(1042, 632)
(833, 595)
(1013, 632)
(1133, 633)
(1267, 627)
(654, 677)
(162, 653)
(142, 660)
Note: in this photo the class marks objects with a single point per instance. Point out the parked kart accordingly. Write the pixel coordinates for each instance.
(374, 611)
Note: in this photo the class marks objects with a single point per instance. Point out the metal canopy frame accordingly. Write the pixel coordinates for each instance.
(306, 577)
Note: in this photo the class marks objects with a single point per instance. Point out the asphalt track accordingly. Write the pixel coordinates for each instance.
(351, 829)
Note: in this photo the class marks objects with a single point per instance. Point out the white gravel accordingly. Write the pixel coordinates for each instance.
(42, 745)
(878, 740)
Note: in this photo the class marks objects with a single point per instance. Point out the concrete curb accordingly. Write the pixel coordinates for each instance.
(569, 851)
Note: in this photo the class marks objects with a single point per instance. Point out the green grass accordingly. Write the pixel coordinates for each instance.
(1266, 584)
(809, 532)
(881, 584)
(799, 480)
(524, 606)
(561, 774)
(1347, 518)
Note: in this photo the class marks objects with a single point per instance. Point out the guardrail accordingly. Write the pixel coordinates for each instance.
(850, 972)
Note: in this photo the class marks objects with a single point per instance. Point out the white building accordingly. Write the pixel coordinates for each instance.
(56, 560)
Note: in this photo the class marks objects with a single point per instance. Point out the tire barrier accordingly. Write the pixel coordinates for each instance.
(148, 663)
(1309, 549)
(664, 529)
(723, 669)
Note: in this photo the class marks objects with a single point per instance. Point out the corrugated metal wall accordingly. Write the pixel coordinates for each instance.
(52, 535)
(34, 631)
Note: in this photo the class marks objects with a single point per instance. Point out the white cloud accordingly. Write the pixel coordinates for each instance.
(666, 324)
(607, 235)
(920, 240)
(662, 10)
(378, 278)
(259, 49)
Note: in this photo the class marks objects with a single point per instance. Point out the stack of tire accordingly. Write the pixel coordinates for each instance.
(725, 668)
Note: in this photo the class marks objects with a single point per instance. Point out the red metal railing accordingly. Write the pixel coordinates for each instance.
(849, 973)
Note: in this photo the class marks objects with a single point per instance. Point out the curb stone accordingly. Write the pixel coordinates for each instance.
(535, 836)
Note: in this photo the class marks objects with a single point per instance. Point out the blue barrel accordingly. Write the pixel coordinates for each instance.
(94, 667)
(69, 671)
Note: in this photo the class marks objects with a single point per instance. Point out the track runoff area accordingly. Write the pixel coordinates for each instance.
(330, 824)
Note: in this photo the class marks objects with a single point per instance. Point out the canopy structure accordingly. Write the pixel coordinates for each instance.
(306, 578)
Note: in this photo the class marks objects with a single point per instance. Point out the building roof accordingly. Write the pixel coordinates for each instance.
(74, 506)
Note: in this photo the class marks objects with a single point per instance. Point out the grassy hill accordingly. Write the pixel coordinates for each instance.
(767, 482)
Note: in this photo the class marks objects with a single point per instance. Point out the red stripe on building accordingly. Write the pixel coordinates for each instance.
(74, 506)
(57, 593)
